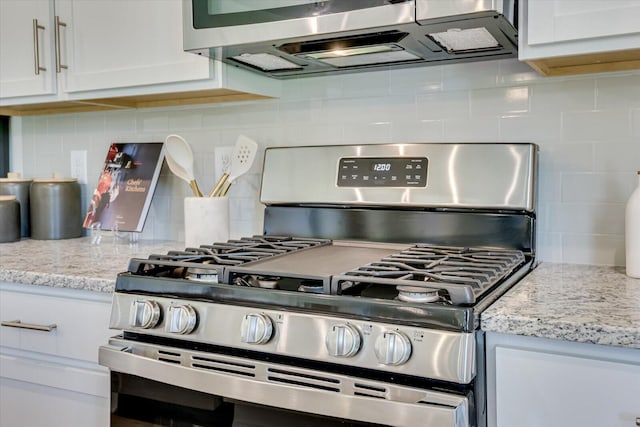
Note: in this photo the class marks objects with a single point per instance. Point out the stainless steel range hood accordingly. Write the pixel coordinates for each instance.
(392, 33)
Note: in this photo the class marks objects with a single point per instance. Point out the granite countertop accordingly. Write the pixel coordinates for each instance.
(73, 263)
(570, 302)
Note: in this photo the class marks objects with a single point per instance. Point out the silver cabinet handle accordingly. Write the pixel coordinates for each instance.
(36, 46)
(58, 24)
(21, 325)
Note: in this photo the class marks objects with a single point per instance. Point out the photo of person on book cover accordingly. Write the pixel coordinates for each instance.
(125, 187)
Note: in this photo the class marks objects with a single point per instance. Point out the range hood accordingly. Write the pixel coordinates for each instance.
(399, 33)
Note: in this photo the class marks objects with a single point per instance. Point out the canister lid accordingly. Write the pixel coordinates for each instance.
(14, 177)
(55, 178)
(7, 198)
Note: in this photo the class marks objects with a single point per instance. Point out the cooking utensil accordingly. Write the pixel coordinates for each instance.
(179, 157)
(244, 153)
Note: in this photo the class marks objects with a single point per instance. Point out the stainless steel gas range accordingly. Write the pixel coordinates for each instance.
(358, 306)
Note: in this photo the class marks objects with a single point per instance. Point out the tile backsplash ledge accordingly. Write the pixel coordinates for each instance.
(587, 127)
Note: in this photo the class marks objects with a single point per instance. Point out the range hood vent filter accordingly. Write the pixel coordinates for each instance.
(375, 57)
(456, 40)
(266, 62)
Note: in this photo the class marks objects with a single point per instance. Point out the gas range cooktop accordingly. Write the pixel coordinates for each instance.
(344, 274)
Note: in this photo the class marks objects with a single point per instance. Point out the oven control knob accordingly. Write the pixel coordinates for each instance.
(393, 348)
(180, 319)
(343, 340)
(144, 314)
(256, 328)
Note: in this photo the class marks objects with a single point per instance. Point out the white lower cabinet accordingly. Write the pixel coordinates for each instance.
(51, 377)
(536, 382)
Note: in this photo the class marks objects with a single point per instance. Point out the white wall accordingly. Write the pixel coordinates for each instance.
(588, 129)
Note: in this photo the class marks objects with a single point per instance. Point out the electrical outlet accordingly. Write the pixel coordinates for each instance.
(79, 165)
(222, 159)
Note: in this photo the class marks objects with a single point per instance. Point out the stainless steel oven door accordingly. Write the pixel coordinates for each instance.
(285, 387)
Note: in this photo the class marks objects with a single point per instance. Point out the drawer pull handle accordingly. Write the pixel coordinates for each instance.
(22, 325)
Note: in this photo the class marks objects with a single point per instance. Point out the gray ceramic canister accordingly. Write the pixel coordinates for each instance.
(9, 219)
(19, 187)
(55, 209)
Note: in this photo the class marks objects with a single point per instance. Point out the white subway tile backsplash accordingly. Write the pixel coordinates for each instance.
(511, 72)
(460, 76)
(587, 128)
(555, 96)
(412, 81)
(443, 105)
(569, 157)
(585, 218)
(472, 130)
(538, 128)
(593, 249)
(635, 125)
(618, 91)
(499, 101)
(597, 187)
(613, 156)
(596, 125)
(153, 121)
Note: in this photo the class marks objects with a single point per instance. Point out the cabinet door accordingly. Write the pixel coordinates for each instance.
(19, 48)
(81, 320)
(546, 389)
(117, 44)
(38, 393)
(553, 21)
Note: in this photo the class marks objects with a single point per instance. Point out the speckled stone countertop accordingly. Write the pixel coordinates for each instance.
(570, 302)
(73, 263)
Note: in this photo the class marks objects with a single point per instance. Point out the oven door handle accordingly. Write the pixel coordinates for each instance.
(262, 388)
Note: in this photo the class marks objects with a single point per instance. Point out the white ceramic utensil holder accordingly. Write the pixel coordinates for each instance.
(206, 220)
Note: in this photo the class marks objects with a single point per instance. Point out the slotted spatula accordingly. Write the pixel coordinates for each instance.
(242, 157)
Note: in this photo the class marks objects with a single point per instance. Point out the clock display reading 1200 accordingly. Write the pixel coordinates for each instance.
(382, 172)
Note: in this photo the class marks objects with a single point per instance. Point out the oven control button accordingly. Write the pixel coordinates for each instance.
(393, 348)
(144, 314)
(181, 319)
(343, 340)
(256, 328)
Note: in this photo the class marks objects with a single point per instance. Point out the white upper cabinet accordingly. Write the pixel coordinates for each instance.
(113, 44)
(26, 48)
(112, 53)
(579, 36)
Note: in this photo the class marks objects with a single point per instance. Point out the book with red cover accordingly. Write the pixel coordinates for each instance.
(125, 188)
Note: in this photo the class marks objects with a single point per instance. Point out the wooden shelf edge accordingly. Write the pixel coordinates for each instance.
(131, 102)
(602, 62)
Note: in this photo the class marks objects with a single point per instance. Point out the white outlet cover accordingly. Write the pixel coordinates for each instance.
(79, 165)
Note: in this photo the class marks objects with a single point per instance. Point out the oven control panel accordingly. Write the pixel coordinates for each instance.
(408, 172)
(429, 353)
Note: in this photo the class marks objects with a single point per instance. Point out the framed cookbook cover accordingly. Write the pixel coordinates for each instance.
(125, 187)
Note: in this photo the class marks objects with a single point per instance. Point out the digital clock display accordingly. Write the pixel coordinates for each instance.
(406, 172)
(381, 167)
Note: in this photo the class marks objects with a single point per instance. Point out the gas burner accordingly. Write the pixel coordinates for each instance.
(206, 263)
(417, 294)
(457, 275)
(267, 282)
(202, 275)
(311, 287)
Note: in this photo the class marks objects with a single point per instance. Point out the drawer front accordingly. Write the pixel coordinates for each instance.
(71, 325)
